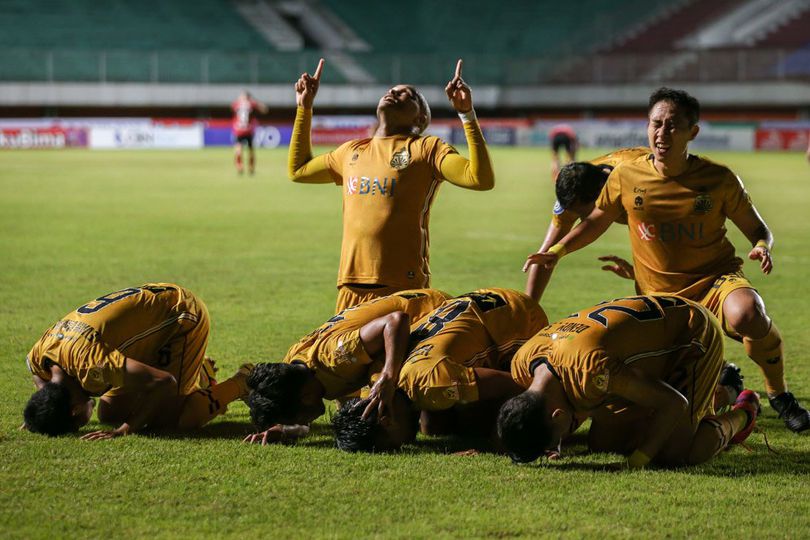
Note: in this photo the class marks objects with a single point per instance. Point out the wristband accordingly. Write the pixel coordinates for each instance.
(468, 116)
(762, 244)
(558, 250)
(637, 460)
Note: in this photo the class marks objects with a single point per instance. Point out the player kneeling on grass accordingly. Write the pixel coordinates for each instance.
(142, 349)
(337, 359)
(458, 360)
(661, 356)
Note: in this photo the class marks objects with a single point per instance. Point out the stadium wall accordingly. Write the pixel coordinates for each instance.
(792, 94)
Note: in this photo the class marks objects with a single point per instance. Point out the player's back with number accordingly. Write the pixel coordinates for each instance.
(625, 328)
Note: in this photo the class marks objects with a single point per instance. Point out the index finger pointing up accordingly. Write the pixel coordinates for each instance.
(458, 68)
(318, 70)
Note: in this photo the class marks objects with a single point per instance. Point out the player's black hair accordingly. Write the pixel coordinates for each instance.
(275, 396)
(524, 427)
(48, 411)
(580, 182)
(688, 105)
(352, 433)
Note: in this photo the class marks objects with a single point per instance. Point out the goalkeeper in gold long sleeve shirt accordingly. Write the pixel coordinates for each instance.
(389, 182)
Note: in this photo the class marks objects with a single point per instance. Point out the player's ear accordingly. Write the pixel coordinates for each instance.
(694, 130)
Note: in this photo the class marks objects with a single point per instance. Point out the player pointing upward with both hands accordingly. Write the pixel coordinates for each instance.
(389, 182)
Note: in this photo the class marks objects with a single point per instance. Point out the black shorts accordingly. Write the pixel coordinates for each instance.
(561, 140)
(245, 139)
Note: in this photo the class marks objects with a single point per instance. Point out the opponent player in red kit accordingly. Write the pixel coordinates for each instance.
(244, 124)
(562, 137)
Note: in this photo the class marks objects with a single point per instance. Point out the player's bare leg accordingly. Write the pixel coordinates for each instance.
(251, 160)
(745, 312)
(237, 157)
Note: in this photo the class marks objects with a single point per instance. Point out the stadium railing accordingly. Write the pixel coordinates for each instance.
(264, 67)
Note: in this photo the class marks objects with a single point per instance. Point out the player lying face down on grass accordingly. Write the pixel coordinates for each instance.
(677, 205)
(459, 355)
(142, 349)
(577, 187)
(389, 182)
(339, 358)
(658, 356)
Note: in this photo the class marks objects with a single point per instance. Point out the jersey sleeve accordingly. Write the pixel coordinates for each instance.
(100, 367)
(301, 166)
(335, 159)
(737, 202)
(476, 173)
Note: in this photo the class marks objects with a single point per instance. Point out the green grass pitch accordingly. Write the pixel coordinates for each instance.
(263, 252)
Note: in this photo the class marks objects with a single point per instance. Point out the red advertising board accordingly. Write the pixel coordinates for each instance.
(782, 139)
(35, 137)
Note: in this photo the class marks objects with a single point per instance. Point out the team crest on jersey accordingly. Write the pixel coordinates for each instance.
(646, 231)
(401, 159)
(95, 374)
(638, 201)
(342, 355)
(703, 203)
(601, 381)
(452, 393)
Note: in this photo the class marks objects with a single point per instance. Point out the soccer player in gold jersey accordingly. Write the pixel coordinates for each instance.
(339, 358)
(389, 182)
(142, 349)
(457, 368)
(659, 355)
(677, 205)
(577, 186)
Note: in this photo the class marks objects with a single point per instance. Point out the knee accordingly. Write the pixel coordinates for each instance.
(745, 313)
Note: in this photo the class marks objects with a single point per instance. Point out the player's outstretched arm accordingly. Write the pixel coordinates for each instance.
(156, 386)
(539, 275)
(301, 167)
(476, 173)
(588, 230)
(757, 232)
(668, 404)
(386, 336)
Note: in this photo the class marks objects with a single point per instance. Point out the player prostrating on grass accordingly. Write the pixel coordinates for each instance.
(577, 188)
(339, 358)
(245, 108)
(661, 355)
(677, 205)
(459, 359)
(142, 349)
(389, 182)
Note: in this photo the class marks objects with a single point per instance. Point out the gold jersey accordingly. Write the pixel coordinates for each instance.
(389, 184)
(666, 337)
(566, 219)
(334, 351)
(677, 225)
(479, 329)
(93, 342)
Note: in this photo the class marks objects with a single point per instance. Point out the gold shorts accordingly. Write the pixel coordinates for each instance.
(716, 295)
(350, 296)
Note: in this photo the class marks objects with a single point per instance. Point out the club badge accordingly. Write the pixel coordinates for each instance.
(601, 381)
(401, 159)
(703, 203)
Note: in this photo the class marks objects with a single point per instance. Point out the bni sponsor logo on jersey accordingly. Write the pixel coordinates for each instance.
(646, 231)
(363, 185)
(670, 232)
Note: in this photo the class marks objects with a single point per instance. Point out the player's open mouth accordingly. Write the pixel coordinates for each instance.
(662, 148)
